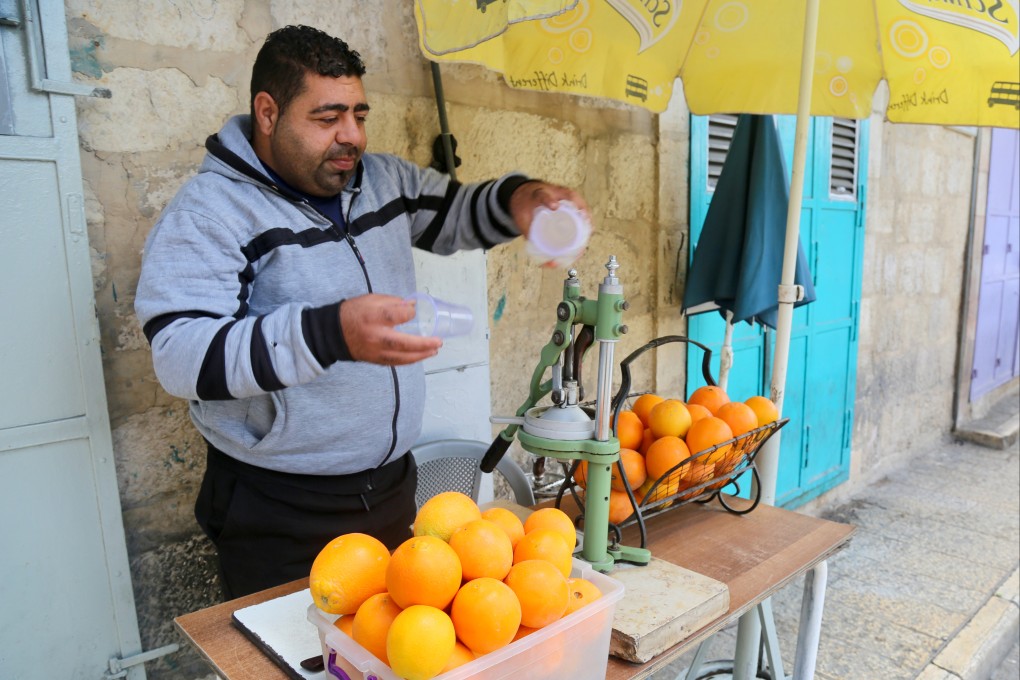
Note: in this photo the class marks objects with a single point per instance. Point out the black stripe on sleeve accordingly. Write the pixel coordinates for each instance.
(212, 378)
(503, 194)
(476, 225)
(261, 362)
(427, 240)
(245, 277)
(321, 329)
(156, 324)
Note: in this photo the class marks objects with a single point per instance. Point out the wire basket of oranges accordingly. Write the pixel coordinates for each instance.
(674, 452)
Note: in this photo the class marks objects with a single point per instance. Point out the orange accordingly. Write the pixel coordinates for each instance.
(444, 513)
(423, 570)
(668, 487)
(461, 655)
(581, 474)
(764, 408)
(707, 433)
(420, 642)
(582, 592)
(484, 549)
(620, 507)
(664, 454)
(345, 623)
(669, 418)
(507, 521)
(709, 396)
(545, 544)
(522, 631)
(697, 412)
(646, 440)
(643, 406)
(555, 519)
(542, 591)
(372, 622)
(739, 416)
(629, 430)
(486, 615)
(634, 465)
(347, 571)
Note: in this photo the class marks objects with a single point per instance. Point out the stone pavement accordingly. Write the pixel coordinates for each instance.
(928, 587)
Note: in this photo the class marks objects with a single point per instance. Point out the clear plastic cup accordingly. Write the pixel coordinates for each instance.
(558, 237)
(438, 318)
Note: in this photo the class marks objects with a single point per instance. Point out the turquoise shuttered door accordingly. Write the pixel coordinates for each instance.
(815, 448)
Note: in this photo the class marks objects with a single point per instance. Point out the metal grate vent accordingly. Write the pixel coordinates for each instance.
(843, 168)
(720, 136)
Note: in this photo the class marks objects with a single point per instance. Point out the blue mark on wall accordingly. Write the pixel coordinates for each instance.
(500, 306)
(84, 60)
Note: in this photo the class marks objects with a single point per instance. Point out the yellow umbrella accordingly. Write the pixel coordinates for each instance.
(945, 62)
(449, 25)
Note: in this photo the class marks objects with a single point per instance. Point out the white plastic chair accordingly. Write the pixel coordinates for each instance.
(452, 465)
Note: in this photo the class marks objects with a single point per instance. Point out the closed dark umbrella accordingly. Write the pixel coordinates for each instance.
(738, 262)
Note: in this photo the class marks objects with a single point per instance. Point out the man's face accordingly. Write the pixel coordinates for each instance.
(316, 143)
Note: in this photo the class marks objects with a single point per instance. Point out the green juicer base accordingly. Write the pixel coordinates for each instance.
(600, 457)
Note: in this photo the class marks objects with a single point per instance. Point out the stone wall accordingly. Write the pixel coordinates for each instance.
(917, 220)
(179, 70)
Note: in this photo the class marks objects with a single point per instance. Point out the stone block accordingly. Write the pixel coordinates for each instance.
(191, 24)
(167, 110)
(158, 452)
(631, 169)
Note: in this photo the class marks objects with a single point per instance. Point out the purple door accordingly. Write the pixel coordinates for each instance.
(997, 344)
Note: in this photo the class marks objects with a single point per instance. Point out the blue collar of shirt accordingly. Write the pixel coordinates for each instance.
(329, 206)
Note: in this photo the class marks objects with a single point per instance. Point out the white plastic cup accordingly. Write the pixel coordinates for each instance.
(434, 317)
(558, 237)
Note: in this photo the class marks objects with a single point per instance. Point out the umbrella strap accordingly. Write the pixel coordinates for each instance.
(790, 294)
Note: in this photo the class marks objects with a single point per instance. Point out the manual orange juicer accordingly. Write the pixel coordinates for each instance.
(567, 431)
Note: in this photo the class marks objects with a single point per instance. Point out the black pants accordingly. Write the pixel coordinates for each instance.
(268, 526)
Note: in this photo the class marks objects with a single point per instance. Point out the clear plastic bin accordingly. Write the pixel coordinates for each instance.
(576, 646)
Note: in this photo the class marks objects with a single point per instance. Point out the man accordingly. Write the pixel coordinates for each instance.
(269, 292)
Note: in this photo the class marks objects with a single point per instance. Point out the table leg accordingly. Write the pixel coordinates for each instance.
(745, 660)
(810, 622)
(773, 654)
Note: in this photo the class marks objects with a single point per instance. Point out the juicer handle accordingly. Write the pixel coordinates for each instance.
(496, 451)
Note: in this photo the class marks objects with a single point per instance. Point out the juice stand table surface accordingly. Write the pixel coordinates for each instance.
(755, 555)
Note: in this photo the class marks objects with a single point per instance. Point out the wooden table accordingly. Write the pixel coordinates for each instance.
(755, 555)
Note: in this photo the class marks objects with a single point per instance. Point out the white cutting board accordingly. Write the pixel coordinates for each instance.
(665, 603)
(281, 629)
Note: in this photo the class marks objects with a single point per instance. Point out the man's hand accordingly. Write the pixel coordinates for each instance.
(368, 321)
(531, 195)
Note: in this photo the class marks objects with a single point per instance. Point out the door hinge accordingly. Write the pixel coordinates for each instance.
(807, 444)
(855, 321)
(119, 667)
(847, 428)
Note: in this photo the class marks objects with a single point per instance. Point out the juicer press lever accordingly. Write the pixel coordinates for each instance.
(582, 343)
(497, 449)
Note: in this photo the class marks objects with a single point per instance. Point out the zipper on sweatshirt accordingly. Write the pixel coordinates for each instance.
(346, 235)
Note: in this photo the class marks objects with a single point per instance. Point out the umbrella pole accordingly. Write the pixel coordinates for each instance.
(726, 354)
(444, 124)
(749, 626)
(768, 458)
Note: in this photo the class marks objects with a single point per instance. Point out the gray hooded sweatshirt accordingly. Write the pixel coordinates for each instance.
(239, 297)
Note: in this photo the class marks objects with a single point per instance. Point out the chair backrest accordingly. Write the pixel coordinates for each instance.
(452, 465)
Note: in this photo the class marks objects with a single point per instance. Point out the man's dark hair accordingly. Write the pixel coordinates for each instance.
(292, 51)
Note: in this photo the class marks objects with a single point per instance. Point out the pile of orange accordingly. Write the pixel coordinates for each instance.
(658, 434)
(468, 583)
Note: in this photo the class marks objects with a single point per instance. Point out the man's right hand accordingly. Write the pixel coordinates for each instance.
(368, 321)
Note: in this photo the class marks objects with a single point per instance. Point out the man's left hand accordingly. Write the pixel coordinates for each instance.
(531, 195)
